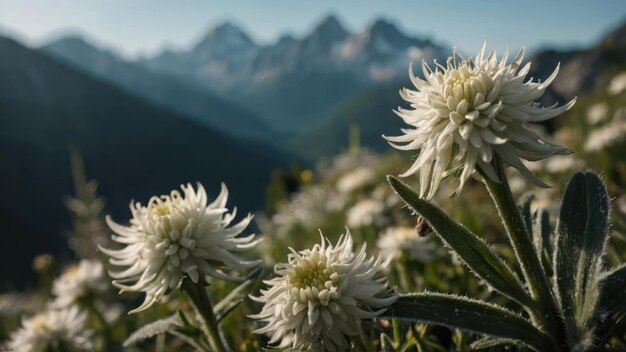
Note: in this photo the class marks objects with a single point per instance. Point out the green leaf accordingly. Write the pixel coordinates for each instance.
(155, 328)
(469, 315)
(236, 296)
(472, 250)
(542, 238)
(581, 236)
(613, 288)
(488, 343)
(526, 214)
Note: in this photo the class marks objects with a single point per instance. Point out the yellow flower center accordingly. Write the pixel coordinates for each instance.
(465, 83)
(311, 273)
(41, 324)
(164, 205)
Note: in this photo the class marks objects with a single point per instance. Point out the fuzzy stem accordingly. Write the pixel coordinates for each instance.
(522, 244)
(202, 303)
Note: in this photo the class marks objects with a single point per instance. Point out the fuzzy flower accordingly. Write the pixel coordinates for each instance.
(78, 282)
(52, 330)
(174, 237)
(355, 180)
(396, 241)
(366, 212)
(320, 296)
(466, 112)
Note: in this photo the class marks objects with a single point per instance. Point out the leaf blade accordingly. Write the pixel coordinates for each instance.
(469, 315)
(580, 241)
(470, 248)
(236, 296)
(157, 327)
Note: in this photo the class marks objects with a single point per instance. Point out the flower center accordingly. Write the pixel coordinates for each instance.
(309, 274)
(312, 276)
(164, 205)
(41, 324)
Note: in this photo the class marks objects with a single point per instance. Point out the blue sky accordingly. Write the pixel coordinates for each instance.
(142, 26)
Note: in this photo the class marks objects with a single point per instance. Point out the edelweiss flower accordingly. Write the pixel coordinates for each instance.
(618, 84)
(396, 241)
(174, 237)
(78, 282)
(355, 179)
(320, 296)
(469, 110)
(606, 136)
(53, 330)
(365, 213)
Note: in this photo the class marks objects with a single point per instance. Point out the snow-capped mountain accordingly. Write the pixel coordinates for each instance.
(214, 60)
(292, 85)
(295, 83)
(379, 53)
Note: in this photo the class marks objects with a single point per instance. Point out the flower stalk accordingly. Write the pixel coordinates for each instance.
(520, 239)
(202, 303)
(102, 322)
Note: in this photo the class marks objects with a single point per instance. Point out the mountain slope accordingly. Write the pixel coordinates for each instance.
(133, 148)
(167, 90)
(371, 111)
(581, 71)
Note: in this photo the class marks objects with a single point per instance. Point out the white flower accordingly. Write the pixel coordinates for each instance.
(321, 295)
(355, 179)
(52, 330)
(617, 84)
(470, 110)
(78, 282)
(606, 136)
(174, 237)
(364, 213)
(557, 164)
(396, 241)
(597, 113)
(307, 208)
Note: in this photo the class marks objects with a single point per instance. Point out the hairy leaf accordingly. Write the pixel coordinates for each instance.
(581, 236)
(613, 288)
(526, 214)
(155, 328)
(470, 248)
(236, 296)
(488, 343)
(469, 315)
(542, 238)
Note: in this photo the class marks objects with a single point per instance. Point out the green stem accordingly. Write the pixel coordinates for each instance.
(202, 303)
(88, 303)
(403, 276)
(524, 249)
(397, 340)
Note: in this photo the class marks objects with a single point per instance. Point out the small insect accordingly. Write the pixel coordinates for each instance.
(421, 227)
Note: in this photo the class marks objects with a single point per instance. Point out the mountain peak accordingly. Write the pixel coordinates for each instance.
(386, 28)
(226, 28)
(72, 42)
(330, 27)
(227, 34)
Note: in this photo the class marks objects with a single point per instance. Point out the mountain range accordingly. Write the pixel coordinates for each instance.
(292, 85)
(171, 91)
(132, 147)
